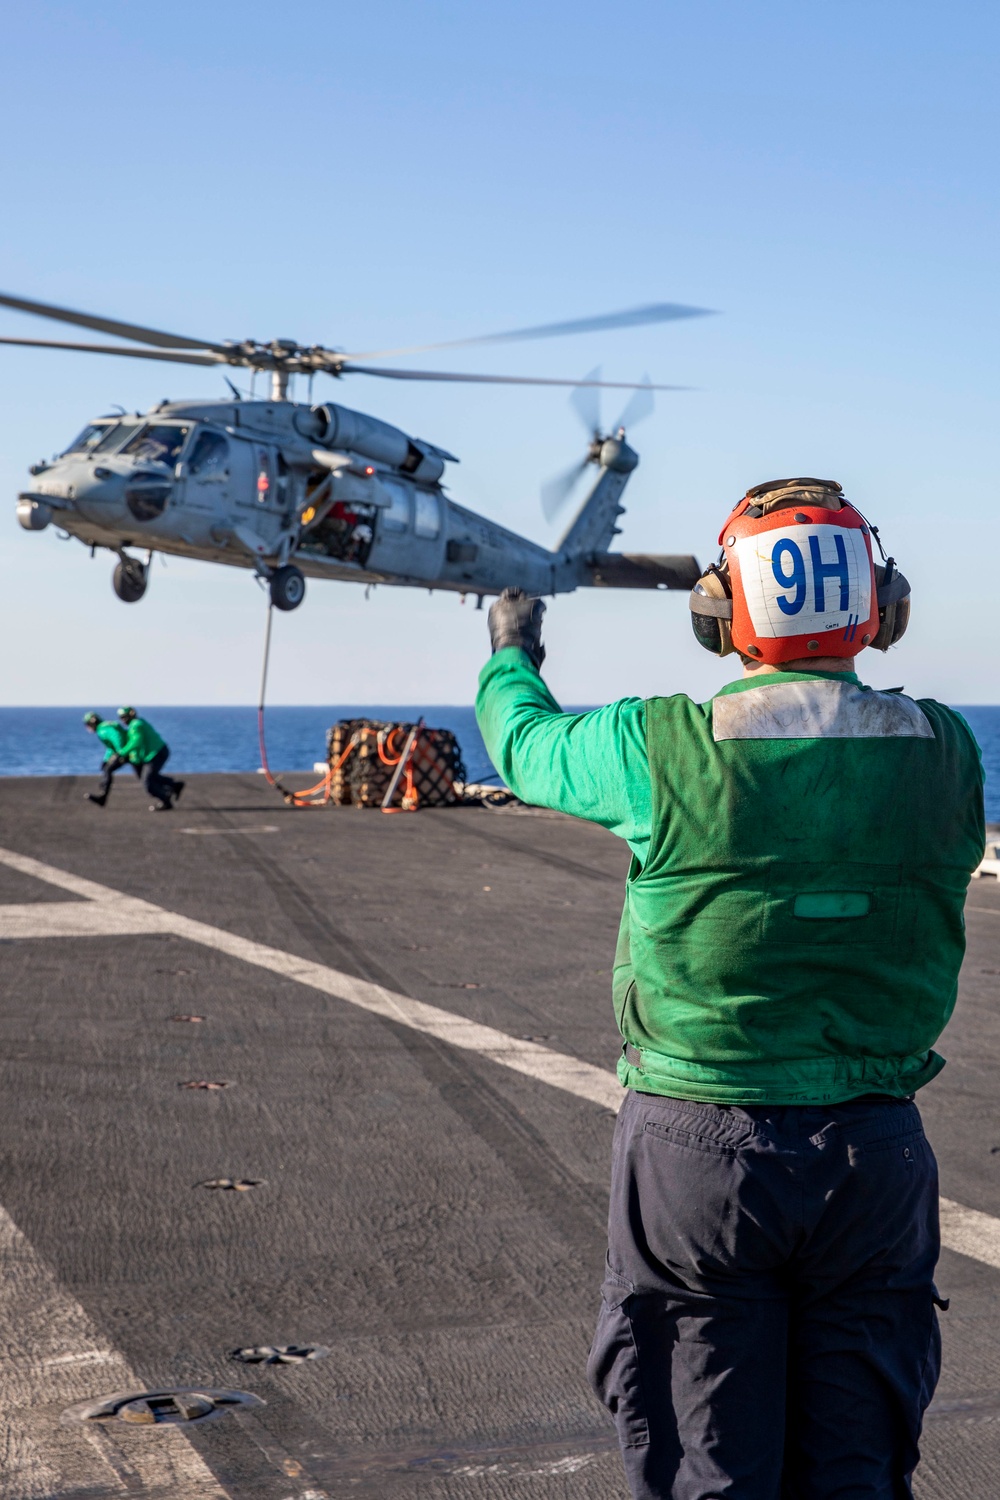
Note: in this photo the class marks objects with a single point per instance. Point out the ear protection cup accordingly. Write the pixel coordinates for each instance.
(893, 593)
(711, 606)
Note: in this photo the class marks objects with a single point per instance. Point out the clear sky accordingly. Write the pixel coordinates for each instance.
(394, 173)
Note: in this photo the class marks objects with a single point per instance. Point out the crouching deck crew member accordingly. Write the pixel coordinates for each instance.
(112, 736)
(149, 753)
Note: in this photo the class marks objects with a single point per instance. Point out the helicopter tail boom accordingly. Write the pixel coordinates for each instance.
(641, 570)
(596, 521)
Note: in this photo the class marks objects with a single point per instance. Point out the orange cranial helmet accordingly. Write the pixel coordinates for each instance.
(796, 578)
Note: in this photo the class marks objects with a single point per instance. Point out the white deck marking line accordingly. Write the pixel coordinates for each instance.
(112, 912)
(970, 1232)
(964, 1230)
(84, 1357)
(49, 1349)
(244, 828)
(41, 919)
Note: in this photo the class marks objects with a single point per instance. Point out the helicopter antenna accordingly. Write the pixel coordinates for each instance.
(237, 395)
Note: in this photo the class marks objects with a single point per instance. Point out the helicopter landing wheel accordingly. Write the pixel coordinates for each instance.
(288, 588)
(129, 579)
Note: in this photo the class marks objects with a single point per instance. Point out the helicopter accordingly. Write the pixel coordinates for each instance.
(293, 490)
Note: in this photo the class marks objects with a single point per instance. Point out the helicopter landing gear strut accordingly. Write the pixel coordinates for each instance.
(287, 587)
(130, 578)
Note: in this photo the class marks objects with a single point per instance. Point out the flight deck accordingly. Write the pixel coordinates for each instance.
(336, 1089)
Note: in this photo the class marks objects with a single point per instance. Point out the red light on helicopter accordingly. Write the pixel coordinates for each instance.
(369, 469)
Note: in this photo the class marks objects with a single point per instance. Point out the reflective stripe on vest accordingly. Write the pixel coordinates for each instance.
(816, 710)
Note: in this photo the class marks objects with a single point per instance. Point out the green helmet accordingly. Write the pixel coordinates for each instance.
(92, 719)
(127, 714)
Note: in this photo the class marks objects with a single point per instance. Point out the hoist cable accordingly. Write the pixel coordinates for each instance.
(307, 796)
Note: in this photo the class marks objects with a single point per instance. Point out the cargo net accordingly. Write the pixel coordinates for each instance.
(365, 755)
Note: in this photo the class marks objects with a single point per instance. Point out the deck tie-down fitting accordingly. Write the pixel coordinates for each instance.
(280, 1354)
(163, 1408)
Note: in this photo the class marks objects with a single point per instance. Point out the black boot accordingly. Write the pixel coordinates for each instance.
(99, 798)
(178, 788)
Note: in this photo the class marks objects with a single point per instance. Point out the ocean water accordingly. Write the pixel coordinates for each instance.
(54, 742)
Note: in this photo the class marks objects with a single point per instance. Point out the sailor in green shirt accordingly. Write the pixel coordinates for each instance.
(112, 736)
(788, 956)
(145, 749)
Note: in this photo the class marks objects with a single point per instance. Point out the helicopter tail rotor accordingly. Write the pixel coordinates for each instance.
(586, 402)
(639, 406)
(557, 490)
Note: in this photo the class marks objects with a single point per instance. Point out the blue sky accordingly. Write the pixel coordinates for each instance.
(393, 173)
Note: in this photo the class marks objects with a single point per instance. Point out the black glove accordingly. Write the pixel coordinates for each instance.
(516, 620)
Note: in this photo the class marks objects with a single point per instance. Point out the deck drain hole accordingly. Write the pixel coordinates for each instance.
(160, 1408)
(205, 1083)
(233, 1184)
(280, 1354)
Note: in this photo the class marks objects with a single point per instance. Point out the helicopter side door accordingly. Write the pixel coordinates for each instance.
(409, 534)
(207, 473)
(262, 492)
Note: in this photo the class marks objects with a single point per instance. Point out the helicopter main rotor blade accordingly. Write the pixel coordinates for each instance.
(107, 325)
(615, 385)
(633, 317)
(178, 359)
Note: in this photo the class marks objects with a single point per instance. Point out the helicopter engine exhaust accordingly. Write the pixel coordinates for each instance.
(344, 428)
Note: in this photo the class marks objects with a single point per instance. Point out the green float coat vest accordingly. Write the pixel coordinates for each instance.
(112, 736)
(143, 742)
(796, 930)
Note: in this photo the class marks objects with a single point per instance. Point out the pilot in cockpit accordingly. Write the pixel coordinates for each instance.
(158, 445)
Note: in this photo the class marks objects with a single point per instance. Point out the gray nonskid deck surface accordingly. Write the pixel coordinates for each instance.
(434, 1218)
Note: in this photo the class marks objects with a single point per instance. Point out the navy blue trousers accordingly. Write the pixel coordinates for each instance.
(111, 765)
(768, 1327)
(157, 785)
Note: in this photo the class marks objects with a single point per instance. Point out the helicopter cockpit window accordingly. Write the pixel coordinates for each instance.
(396, 515)
(210, 455)
(156, 444)
(427, 515)
(114, 436)
(88, 439)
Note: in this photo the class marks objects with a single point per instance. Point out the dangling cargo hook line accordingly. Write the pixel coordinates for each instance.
(307, 797)
(271, 780)
(402, 761)
(293, 798)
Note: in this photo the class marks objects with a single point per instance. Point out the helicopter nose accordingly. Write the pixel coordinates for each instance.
(146, 495)
(98, 495)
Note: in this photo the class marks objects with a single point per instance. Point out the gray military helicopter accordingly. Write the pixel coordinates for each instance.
(293, 490)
